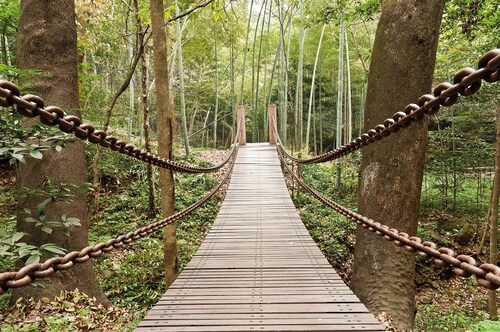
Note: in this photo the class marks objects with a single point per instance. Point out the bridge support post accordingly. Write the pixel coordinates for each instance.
(242, 133)
(271, 111)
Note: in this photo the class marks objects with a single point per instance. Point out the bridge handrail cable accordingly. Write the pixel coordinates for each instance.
(31, 106)
(29, 273)
(488, 275)
(466, 82)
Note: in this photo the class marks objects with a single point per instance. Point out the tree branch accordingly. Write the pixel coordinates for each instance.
(190, 11)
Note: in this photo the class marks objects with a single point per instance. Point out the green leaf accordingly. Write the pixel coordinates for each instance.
(43, 204)
(36, 154)
(19, 157)
(34, 258)
(47, 229)
(30, 219)
(52, 248)
(17, 236)
(74, 221)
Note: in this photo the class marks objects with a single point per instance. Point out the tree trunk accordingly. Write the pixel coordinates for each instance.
(492, 294)
(265, 70)
(166, 125)
(216, 86)
(253, 109)
(47, 42)
(383, 274)
(258, 76)
(300, 79)
(348, 99)
(245, 51)
(340, 89)
(311, 96)
(147, 141)
(281, 78)
(181, 82)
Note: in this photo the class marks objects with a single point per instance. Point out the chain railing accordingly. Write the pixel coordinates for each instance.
(29, 273)
(488, 275)
(467, 82)
(31, 106)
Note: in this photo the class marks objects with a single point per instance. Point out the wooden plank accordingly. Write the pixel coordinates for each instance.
(258, 269)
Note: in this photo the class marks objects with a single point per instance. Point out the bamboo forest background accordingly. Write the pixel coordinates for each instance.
(310, 58)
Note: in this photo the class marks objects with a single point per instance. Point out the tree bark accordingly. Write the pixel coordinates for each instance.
(245, 51)
(311, 96)
(392, 170)
(47, 42)
(181, 82)
(166, 125)
(144, 108)
(216, 87)
(493, 214)
(300, 88)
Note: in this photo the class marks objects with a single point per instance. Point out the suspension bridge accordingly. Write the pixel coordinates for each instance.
(258, 269)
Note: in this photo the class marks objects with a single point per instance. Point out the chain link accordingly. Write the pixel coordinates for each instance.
(31, 106)
(29, 273)
(466, 82)
(488, 275)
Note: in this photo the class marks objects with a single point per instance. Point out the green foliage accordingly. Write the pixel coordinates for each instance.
(132, 277)
(11, 247)
(486, 326)
(333, 233)
(455, 318)
(49, 194)
(17, 143)
(472, 17)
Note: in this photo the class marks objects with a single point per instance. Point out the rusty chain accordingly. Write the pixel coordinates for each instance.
(466, 82)
(29, 273)
(31, 106)
(488, 275)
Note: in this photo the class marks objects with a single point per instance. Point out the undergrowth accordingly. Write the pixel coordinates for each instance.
(444, 302)
(132, 276)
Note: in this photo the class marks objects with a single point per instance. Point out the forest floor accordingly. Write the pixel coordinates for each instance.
(132, 276)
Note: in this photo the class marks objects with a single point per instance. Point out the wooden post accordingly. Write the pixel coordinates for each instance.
(242, 133)
(272, 123)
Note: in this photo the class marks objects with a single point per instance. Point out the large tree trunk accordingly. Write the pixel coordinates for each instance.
(47, 42)
(166, 125)
(401, 71)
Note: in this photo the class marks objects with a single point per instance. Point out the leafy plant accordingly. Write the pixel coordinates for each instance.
(11, 246)
(17, 143)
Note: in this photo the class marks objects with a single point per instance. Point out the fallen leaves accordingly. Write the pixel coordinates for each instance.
(70, 311)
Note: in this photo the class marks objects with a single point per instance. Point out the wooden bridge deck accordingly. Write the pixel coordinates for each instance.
(258, 269)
